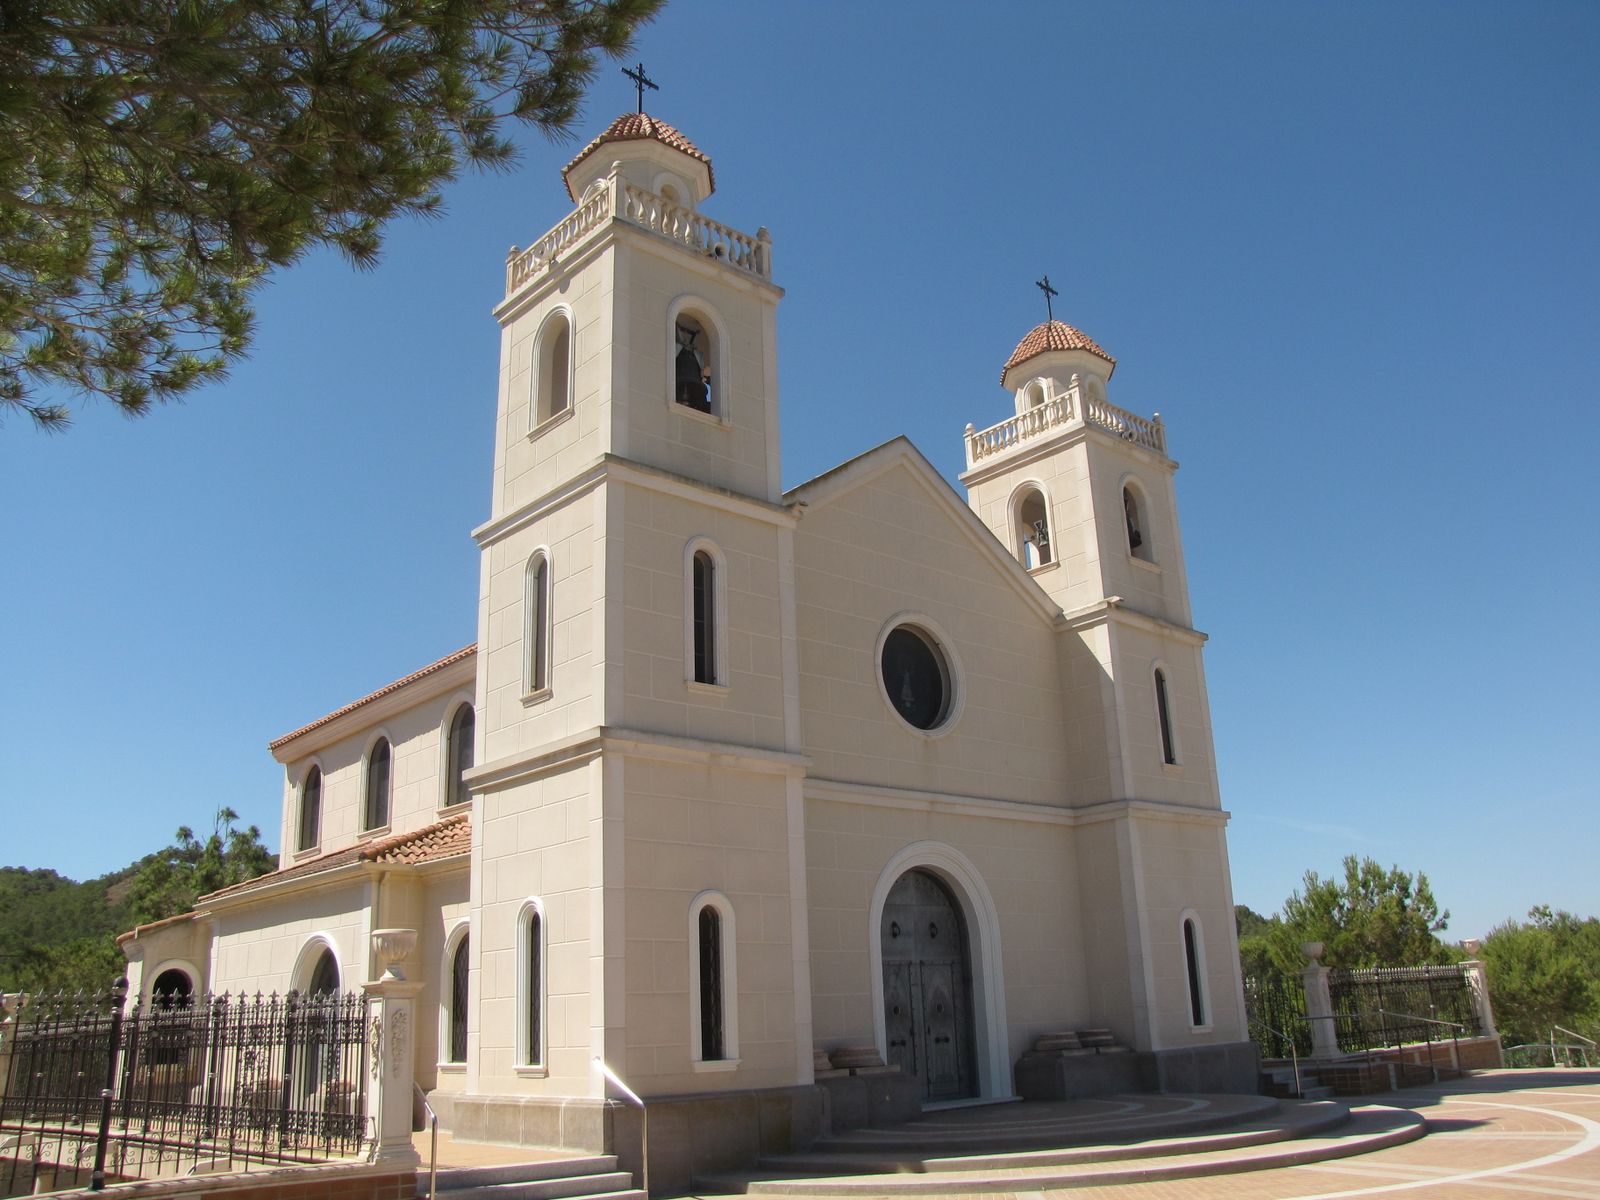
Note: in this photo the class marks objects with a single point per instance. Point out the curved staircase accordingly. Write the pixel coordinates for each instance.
(1030, 1147)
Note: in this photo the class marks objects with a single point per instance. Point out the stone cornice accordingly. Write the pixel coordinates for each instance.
(879, 796)
(1114, 608)
(613, 467)
(630, 743)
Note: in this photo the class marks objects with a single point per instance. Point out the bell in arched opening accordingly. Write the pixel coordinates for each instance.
(691, 375)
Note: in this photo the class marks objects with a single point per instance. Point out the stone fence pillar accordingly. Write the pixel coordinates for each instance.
(392, 1001)
(10, 1004)
(1319, 1003)
(1479, 983)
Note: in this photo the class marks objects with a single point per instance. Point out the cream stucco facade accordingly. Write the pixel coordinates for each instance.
(664, 812)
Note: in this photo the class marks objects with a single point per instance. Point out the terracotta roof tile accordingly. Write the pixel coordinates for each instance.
(637, 126)
(444, 839)
(447, 660)
(1053, 335)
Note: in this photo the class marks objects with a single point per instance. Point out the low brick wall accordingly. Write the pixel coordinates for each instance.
(1406, 1066)
(325, 1181)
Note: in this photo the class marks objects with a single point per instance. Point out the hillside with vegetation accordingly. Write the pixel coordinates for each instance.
(56, 932)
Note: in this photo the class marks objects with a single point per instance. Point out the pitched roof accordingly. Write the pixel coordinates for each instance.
(449, 838)
(1053, 335)
(638, 126)
(431, 668)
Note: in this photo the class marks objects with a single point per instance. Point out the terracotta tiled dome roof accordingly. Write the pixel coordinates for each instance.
(1053, 335)
(636, 126)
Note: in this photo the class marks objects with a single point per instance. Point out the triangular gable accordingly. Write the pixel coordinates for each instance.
(899, 452)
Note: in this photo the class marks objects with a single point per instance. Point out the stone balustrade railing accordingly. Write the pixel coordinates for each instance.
(611, 197)
(1150, 434)
(997, 439)
(1061, 410)
(650, 211)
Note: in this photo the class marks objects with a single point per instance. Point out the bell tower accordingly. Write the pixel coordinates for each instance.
(1081, 491)
(637, 678)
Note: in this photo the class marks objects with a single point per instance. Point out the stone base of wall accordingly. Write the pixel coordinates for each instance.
(557, 1123)
(856, 1101)
(705, 1133)
(1229, 1067)
(690, 1135)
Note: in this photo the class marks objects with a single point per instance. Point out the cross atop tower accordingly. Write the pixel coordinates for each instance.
(640, 81)
(1049, 294)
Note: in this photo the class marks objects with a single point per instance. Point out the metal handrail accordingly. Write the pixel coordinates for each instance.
(644, 1119)
(1389, 1012)
(1294, 1054)
(433, 1143)
(1572, 1033)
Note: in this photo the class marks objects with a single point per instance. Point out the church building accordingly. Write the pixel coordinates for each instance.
(741, 789)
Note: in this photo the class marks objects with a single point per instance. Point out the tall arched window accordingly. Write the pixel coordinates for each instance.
(1194, 962)
(310, 809)
(1138, 531)
(536, 636)
(457, 1048)
(459, 755)
(705, 623)
(530, 951)
(1033, 529)
(379, 761)
(553, 367)
(1169, 748)
(713, 986)
(325, 975)
(711, 998)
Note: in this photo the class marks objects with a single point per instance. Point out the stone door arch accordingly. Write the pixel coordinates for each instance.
(969, 896)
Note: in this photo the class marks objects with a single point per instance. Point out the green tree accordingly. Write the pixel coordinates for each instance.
(170, 881)
(1544, 973)
(1372, 917)
(158, 159)
(1255, 940)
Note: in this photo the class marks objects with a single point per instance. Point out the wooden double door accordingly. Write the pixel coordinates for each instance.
(927, 987)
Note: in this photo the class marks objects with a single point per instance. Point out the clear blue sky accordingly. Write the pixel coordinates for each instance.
(1350, 252)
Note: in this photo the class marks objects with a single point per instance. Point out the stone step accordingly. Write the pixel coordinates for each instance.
(1373, 1128)
(559, 1187)
(451, 1178)
(1293, 1121)
(1041, 1130)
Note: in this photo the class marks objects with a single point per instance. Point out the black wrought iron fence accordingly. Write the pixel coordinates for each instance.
(88, 1094)
(1276, 1006)
(1395, 1006)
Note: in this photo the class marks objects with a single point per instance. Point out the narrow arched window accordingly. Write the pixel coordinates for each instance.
(532, 1032)
(458, 1002)
(325, 975)
(1033, 530)
(378, 775)
(310, 809)
(711, 998)
(1033, 395)
(1169, 750)
(462, 728)
(693, 376)
(1191, 954)
(1133, 515)
(553, 391)
(705, 618)
(536, 668)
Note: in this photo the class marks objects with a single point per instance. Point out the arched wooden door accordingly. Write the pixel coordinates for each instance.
(927, 987)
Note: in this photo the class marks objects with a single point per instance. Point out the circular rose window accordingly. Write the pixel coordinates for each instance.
(916, 677)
